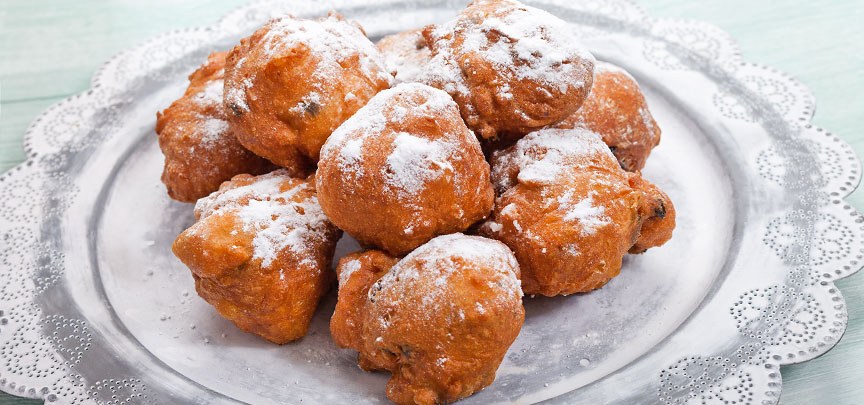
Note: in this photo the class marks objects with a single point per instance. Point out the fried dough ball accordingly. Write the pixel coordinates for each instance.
(363, 269)
(659, 217)
(440, 320)
(568, 210)
(200, 151)
(291, 83)
(511, 68)
(403, 170)
(260, 253)
(406, 53)
(616, 109)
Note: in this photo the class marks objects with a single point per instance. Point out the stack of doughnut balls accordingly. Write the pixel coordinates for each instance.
(475, 161)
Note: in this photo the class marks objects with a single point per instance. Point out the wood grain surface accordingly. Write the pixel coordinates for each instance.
(50, 48)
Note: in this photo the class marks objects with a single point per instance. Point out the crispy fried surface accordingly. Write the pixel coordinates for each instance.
(362, 269)
(511, 68)
(403, 170)
(260, 253)
(567, 209)
(658, 215)
(406, 54)
(617, 110)
(440, 320)
(200, 150)
(292, 82)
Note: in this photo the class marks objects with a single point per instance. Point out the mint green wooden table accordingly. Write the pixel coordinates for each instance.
(50, 48)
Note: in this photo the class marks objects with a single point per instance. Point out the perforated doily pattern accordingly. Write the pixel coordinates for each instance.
(818, 237)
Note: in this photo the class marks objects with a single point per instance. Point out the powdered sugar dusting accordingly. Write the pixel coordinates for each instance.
(211, 94)
(347, 270)
(331, 42)
(236, 97)
(441, 70)
(351, 156)
(310, 101)
(542, 155)
(262, 188)
(416, 161)
(589, 216)
(428, 269)
(368, 121)
(276, 217)
(213, 130)
(540, 43)
(624, 80)
(413, 160)
(406, 54)
(210, 129)
(647, 120)
(521, 42)
(332, 39)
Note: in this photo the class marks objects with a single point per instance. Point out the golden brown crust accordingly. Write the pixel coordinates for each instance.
(617, 110)
(511, 68)
(362, 269)
(658, 215)
(440, 320)
(200, 151)
(260, 253)
(567, 209)
(292, 82)
(406, 54)
(403, 170)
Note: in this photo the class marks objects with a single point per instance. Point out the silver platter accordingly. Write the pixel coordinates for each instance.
(95, 308)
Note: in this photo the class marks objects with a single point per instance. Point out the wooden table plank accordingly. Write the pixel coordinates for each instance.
(50, 48)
